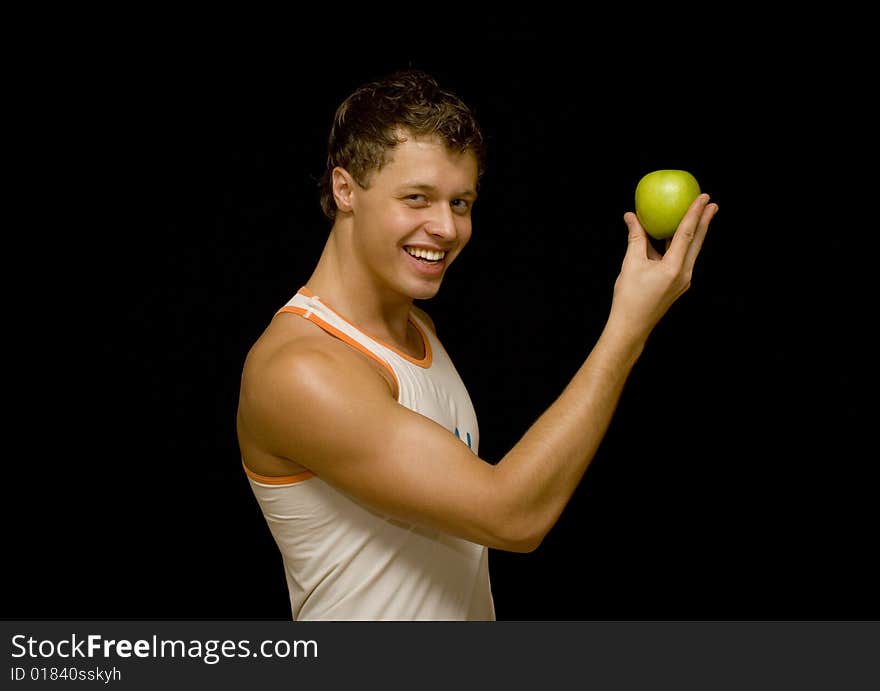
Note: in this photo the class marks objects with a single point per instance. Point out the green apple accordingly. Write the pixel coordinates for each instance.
(662, 199)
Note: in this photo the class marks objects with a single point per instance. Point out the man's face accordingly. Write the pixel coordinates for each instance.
(414, 218)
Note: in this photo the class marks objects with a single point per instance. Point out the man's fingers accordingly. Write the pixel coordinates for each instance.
(687, 231)
(702, 228)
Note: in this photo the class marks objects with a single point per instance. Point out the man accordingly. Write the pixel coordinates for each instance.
(358, 437)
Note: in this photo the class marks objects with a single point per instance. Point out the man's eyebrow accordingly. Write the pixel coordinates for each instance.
(467, 192)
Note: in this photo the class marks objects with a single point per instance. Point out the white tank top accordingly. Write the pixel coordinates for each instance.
(344, 561)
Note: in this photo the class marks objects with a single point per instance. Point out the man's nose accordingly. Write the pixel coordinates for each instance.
(442, 223)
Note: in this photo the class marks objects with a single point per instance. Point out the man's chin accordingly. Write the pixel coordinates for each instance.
(420, 287)
(425, 292)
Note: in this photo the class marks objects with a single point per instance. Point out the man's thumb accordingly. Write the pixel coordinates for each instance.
(637, 238)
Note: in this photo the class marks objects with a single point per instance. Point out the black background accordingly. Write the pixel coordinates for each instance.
(169, 207)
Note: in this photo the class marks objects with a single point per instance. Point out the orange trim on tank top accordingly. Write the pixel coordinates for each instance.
(342, 336)
(276, 480)
(424, 363)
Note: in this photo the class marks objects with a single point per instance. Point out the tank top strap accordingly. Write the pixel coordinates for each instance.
(311, 307)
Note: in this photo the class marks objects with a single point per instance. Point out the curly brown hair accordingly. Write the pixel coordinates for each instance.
(376, 117)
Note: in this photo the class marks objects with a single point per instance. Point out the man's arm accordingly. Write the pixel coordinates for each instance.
(543, 469)
(326, 408)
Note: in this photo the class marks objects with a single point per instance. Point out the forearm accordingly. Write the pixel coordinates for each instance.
(540, 473)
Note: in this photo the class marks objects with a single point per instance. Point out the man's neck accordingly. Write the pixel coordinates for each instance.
(375, 310)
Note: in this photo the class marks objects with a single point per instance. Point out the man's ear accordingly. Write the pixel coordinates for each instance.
(343, 188)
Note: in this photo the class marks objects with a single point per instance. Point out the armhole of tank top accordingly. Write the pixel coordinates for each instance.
(348, 340)
(276, 480)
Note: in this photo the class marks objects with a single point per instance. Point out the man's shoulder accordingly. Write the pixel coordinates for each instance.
(292, 352)
(290, 340)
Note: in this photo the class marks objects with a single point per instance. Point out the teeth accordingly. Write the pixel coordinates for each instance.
(431, 255)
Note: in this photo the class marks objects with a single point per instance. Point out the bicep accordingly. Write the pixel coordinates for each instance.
(341, 423)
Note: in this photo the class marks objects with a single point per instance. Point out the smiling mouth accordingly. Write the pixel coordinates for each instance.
(426, 256)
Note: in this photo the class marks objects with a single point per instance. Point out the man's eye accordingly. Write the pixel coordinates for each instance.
(460, 205)
(416, 197)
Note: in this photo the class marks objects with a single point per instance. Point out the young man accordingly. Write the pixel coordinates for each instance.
(357, 435)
